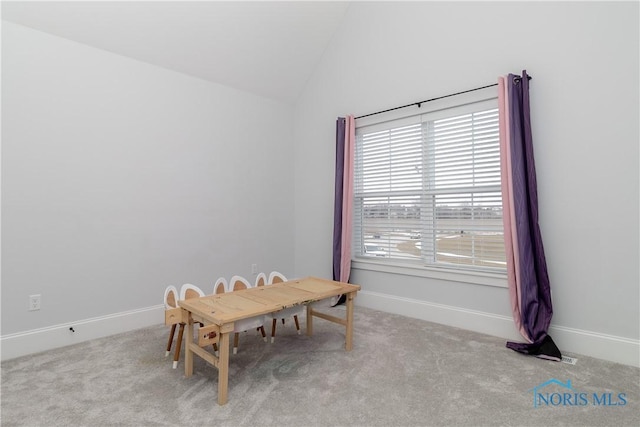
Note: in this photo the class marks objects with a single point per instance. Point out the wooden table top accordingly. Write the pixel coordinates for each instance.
(229, 307)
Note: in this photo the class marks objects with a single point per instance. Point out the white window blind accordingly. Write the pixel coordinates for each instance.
(427, 190)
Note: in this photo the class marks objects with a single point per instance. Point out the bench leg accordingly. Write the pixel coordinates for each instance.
(173, 331)
(223, 369)
(176, 356)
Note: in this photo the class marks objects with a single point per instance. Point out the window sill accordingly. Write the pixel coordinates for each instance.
(472, 277)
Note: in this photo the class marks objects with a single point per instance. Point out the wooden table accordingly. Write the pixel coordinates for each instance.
(219, 312)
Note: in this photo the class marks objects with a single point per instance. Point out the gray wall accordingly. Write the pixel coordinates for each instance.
(583, 57)
(120, 178)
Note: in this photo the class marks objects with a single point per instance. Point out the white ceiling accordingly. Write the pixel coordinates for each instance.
(267, 48)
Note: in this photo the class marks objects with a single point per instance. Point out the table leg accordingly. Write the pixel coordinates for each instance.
(223, 368)
(188, 353)
(309, 320)
(349, 326)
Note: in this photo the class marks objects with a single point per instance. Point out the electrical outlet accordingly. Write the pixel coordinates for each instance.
(34, 302)
(254, 268)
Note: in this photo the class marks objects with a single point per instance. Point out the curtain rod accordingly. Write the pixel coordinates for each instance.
(433, 99)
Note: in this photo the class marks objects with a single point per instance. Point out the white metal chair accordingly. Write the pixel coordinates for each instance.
(277, 277)
(238, 283)
(187, 291)
(261, 280)
(170, 303)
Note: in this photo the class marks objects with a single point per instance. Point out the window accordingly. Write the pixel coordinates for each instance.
(427, 190)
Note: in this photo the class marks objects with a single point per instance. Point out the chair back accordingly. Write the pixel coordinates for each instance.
(221, 286)
(237, 283)
(261, 280)
(276, 277)
(171, 297)
(188, 291)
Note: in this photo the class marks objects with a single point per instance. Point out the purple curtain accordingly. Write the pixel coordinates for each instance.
(343, 203)
(337, 206)
(532, 293)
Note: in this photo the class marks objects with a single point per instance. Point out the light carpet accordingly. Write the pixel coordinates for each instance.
(401, 372)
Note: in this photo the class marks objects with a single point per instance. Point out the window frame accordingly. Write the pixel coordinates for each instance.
(437, 108)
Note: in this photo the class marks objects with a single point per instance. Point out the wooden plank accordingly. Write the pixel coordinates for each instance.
(208, 335)
(330, 318)
(314, 286)
(291, 292)
(204, 354)
(320, 289)
(323, 288)
(278, 297)
(233, 303)
(198, 305)
(198, 318)
(310, 313)
(348, 345)
(223, 369)
(188, 351)
(173, 316)
(223, 308)
(237, 305)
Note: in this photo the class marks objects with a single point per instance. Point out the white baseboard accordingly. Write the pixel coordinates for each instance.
(38, 340)
(592, 344)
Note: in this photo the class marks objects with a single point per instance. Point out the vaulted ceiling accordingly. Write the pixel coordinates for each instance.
(263, 47)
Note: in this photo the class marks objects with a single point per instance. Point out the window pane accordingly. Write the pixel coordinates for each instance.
(469, 229)
(390, 226)
(391, 160)
(430, 192)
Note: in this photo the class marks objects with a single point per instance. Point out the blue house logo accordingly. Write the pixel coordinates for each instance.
(563, 394)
